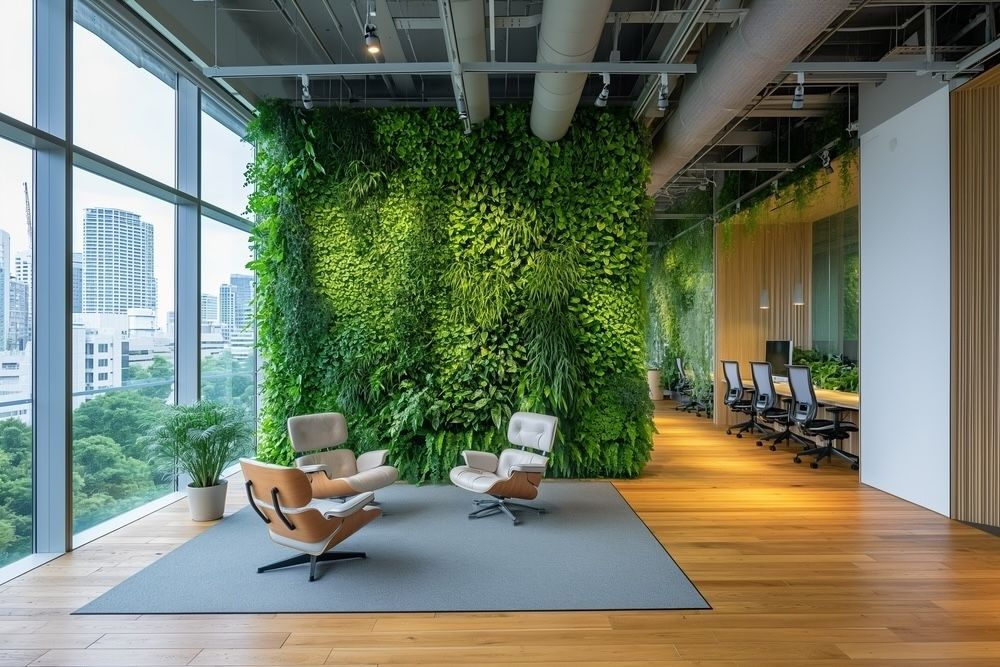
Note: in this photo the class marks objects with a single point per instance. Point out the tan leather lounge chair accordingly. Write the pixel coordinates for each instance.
(283, 498)
(336, 473)
(516, 473)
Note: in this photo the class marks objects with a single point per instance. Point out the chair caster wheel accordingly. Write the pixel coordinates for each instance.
(760, 443)
(773, 448)
(739, 435)
(854, 466)
(797, 460)
(729, 431)
(813, 465)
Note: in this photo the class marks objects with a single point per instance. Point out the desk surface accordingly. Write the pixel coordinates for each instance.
(840, 399)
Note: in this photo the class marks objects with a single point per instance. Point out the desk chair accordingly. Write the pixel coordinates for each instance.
(766, 405)
(804, 407)
(737, 400)
(684, 386)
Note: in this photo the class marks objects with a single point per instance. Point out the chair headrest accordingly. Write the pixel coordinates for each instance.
(292, 484)
(318, 431)
(530, 429)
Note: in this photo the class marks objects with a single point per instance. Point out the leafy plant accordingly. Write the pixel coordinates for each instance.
(201, 440)
(428, 284)
(828, 371)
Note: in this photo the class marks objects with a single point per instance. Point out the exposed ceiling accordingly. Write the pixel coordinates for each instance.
(248, 33)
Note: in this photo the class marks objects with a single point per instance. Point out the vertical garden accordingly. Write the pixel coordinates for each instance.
(428, 283)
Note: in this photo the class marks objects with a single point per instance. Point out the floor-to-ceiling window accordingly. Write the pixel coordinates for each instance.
(123, 345)
(16, 286)
(228, 358)
(88, 343)
(228, 361)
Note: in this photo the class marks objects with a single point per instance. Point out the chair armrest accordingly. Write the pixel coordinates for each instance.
(484, 461)
(316, 467)
(528, 467)
(348, 507)
(370, 460)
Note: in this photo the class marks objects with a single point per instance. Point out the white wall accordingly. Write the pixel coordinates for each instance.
(905, 290)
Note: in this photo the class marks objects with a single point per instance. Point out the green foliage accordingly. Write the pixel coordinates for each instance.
(427, 284)
(125, 416)
(681, 288)
(828, 371)
(199, 439)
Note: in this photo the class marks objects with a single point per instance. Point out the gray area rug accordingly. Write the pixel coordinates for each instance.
(590, 551)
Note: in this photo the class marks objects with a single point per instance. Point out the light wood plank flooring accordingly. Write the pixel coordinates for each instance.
(803, 568)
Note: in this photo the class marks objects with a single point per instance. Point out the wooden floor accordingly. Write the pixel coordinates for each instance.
(803, 568)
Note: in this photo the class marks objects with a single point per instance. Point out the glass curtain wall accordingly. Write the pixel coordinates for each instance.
(16, 285)
(101, 265)
(123, 345)
(228, 361)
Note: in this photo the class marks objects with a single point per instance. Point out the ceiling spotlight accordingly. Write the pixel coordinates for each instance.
(663, 100)
(307, 100)
(824, 160)
(799, 97)
(602, 99)
(372, 43)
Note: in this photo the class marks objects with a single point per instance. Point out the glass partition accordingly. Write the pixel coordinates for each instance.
(835, 284)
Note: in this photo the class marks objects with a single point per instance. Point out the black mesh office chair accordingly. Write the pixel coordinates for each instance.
(686, 389)
(804, 407)
(739, 399)
(765, 403)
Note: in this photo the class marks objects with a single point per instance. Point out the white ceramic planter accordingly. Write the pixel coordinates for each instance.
(207, 503)
(653, 379)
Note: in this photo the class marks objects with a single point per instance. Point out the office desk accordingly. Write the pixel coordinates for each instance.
(830, 397)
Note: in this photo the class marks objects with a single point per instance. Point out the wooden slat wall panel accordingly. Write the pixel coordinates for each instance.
(975, 298)
(775, 255)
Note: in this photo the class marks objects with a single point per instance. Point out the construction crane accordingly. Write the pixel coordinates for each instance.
(27, 217)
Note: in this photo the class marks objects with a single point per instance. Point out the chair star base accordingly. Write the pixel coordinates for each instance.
(302, 559)
(497, 505)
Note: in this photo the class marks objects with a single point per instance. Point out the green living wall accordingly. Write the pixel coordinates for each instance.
(681, 306)
(428, 283)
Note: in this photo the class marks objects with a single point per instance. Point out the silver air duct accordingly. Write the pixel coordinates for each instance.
(569, 33)
(771, 35)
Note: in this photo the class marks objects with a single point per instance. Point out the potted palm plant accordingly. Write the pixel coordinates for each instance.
(200, 440)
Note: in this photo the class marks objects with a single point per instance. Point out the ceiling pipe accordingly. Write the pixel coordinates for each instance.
(569, 33)
(771, 35)
(470, 38)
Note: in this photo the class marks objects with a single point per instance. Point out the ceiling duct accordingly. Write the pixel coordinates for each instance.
(569, 33)
(773, 34)
(470, 38)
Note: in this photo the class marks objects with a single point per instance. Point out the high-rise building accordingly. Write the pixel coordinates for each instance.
(22, 266)
(235, 299)
(209, 308)
(77, 282)
(19, 315)
(242, 299)
(19, 332)
(117, 262)
(4, 288)
(227, 310)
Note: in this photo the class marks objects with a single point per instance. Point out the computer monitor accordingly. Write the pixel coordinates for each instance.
(779, 354)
